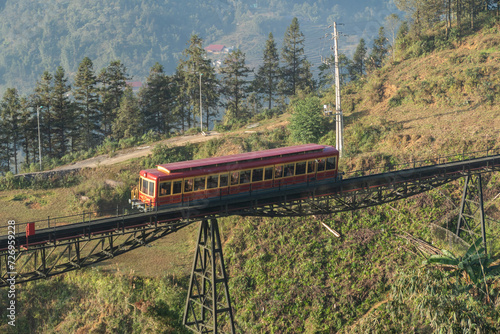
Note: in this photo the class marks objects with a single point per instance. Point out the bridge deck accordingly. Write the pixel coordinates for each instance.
(404, 183)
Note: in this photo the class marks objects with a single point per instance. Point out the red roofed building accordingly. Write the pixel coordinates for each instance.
(215, 48)
(136, 85)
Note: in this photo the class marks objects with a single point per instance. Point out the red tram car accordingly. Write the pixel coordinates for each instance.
(234, 175)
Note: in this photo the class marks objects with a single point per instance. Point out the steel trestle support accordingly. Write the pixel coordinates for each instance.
(471, 213)
(208, 305)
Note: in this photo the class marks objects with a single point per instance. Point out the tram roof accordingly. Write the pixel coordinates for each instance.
(242, 157)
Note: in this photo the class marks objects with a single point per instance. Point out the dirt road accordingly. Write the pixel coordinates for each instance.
(136, 152)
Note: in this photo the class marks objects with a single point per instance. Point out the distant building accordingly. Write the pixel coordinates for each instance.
(136, 85)
(216, 48)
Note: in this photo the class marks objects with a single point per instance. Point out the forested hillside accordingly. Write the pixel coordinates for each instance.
(38, 36)
(41, 35)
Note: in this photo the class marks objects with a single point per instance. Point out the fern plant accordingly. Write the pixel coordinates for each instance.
(475, 265)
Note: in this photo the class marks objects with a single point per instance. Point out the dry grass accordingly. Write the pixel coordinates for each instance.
(437, 116)
(170, 255)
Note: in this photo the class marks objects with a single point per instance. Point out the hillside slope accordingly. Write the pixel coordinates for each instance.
(439, 103)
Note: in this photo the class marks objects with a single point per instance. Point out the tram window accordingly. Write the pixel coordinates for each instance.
(212, 181)
(235, 178)
(177, 187)
(268, 174)
(321, 165)
(289, 170)
(223, 180)
(300, 168)
(144, 186)
(151, 188)
(310, 167)
(258, 174)
(278, 172)
(188, 185)
(165, 188)
(330, 163)
(199, 183)
(245, 176)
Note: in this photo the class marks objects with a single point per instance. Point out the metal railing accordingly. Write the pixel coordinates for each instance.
(54, 222)
(437, 160)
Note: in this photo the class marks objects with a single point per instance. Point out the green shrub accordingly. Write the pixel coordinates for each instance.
(163, 154)
(209, 148)
(307, 123)
(150, 137)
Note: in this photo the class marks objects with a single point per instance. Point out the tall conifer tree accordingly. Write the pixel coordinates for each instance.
(127, 122)
(193, 64)
(379, 51)
(181, 109)
(357, 68)
(113, 83)
(64, 113)
(10, 114)
(234, 84)
(157, 100)
(28, 130)
(4, 143)
(87, 104)
(296, 71)
(43, 91)
(267, 76)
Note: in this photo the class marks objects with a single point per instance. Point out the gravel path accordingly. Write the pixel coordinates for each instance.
(136, 152)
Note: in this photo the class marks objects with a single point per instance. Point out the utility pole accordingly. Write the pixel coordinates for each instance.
(339, 133)
(39, 140)
(201, 110)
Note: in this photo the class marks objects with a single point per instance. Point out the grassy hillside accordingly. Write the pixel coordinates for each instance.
(292, 275)
(442, 102)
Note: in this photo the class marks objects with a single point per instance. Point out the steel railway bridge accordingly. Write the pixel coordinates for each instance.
(60, 245)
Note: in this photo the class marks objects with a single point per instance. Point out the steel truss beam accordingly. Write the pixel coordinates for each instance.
(471, 214)
(208, 305)
(315, 203)
(36, 262)
(59, 256)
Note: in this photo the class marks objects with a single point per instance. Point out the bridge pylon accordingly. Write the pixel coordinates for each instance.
(471, 215)
(208, 305)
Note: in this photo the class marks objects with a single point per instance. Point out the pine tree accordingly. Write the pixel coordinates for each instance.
(194, 63)
(295, 71)
(357, 68)
(210, 95)
(128, 116)
(86, 97)
(11, 110)
(181, 109)
(402, 39)
(267, 76)
(113, 83)
(157, 100)
(28, 130)
(306, 79)
(234, 84)
(379, 51)
(4, 144)
(64, 113)
(43, 91)
(392, 23)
